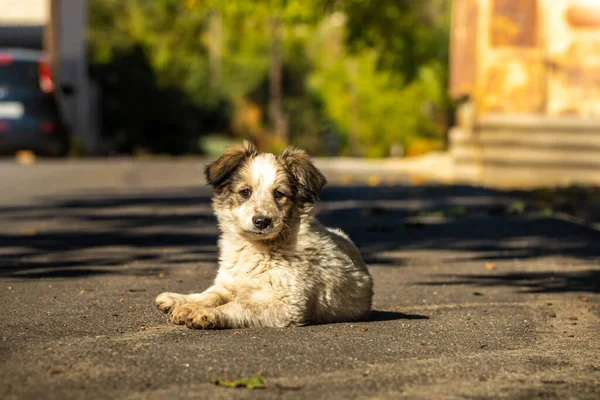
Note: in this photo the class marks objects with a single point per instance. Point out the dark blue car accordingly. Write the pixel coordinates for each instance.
(32, 114)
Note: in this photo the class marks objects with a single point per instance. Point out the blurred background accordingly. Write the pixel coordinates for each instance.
(505, 91)
(360, 78)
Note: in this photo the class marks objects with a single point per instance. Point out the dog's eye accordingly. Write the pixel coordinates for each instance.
(278, 195)
(245, 193)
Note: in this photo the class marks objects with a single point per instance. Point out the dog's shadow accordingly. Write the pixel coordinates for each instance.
(392, 316)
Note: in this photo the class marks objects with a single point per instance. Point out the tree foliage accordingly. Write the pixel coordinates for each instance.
(359, 77)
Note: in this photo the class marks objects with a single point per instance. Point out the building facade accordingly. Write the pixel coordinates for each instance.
(529, 72)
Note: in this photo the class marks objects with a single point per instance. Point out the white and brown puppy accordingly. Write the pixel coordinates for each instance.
(278, 265)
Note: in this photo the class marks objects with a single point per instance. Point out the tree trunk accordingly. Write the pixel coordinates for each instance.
(215, 48)
(277, 119)
(354, 130)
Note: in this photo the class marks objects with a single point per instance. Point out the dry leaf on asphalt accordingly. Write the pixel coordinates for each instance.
(490, 266)
(254, 382)
(374, 180)
(25, 157)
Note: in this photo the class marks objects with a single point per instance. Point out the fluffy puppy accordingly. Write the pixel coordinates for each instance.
(278, 266)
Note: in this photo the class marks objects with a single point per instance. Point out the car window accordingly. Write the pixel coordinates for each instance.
(19, 73)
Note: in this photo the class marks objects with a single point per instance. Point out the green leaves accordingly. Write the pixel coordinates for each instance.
(254, 382)
(358, 75)
(517, 207)
(376, 107)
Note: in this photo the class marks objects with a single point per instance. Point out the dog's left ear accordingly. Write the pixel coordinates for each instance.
(308, 177)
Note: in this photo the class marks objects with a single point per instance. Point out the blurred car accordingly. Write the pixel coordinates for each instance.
(32, 112)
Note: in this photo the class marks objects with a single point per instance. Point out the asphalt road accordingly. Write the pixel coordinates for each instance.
(470, 302)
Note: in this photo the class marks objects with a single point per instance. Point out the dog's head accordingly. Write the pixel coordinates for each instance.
(259, 195)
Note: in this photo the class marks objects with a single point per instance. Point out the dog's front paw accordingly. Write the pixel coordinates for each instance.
(169, 301)
(194, 317)
(202, 319)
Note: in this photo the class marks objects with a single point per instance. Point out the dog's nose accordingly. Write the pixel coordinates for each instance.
(261, 222)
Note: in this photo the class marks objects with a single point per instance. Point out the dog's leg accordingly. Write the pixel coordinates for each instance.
(234, 314)
(211, 297)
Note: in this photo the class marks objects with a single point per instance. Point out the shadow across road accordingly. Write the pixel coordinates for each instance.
(587, 281)
(97, 233)
(393, 316)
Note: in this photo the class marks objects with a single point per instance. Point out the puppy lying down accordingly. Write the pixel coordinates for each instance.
(278, 266)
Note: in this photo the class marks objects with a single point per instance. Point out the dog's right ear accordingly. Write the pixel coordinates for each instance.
(219, 171)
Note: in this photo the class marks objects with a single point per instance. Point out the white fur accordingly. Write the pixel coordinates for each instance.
(264, 169)
(316, 276)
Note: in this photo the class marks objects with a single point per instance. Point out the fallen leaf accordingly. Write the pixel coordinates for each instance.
(490, 266)
(572, 318)
(374, 180)
(547, 211)
(29, 232)
(334, 334)
(364, 329)
(161, 275)
(584, 299)
(25, 157)
(517, 207)
(254, 382)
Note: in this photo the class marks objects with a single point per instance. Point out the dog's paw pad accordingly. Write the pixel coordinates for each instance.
(169, 301)
(202, 319)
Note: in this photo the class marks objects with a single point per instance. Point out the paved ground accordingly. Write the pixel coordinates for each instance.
(470, 302)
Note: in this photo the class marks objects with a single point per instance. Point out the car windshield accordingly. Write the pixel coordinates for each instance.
(19, 73)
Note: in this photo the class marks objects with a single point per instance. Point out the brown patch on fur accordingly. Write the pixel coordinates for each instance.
(218, 172)
(308, 178)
